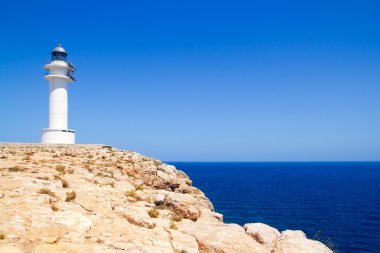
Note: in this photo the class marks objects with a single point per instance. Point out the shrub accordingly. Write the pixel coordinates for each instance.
(177, 217)
(173, 225)
(16, 169)
(70, 196)
(57, 177)
(46, 191)
(183, 251)
(2, 236)
(60, 169)
(90, 156)
(132, 193)
(153, 213)
(65, 184)
(139, 187)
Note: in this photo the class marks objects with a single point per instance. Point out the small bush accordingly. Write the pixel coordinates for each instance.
(65, 184)
(139, 188)
(177, 217)
(90, 156)
(2, 236)
(57, 177)
(153, 213)
(60, 169)
(46, 191)
(16, 169)
(183, 251)
(132, 193)
(173, 226)
(70, 196)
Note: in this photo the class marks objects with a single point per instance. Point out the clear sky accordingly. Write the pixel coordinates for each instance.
(201, 80)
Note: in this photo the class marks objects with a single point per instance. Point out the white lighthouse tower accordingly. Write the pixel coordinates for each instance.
(60, 75)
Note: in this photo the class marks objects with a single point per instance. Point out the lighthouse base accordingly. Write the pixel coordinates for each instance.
(57, 136)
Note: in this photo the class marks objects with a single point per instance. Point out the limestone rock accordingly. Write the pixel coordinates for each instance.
(222, 238)
(186, 205)
(10, 249)
(159, 199)
(114, 193)
(263, 234)
(296, 242)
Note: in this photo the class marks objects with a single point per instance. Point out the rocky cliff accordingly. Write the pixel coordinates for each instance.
(94, 198)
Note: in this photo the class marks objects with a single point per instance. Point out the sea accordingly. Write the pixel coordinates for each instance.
(337, 203)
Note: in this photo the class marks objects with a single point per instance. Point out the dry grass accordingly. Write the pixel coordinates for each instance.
(60, 168)
(46, 191)
(139, 187)
(131, 193)
(16, 169)
(177, 217)
(27, 158)
(2, 236)
(173, 225)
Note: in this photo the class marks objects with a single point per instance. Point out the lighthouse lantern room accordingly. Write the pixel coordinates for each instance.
(60, 75)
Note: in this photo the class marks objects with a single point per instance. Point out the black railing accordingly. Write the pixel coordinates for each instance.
(70, 75)
(59, 56)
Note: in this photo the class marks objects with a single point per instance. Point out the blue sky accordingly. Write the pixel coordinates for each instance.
(201, 80)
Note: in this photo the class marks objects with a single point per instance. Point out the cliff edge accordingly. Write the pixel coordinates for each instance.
(99, 199)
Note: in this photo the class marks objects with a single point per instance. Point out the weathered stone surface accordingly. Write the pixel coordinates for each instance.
(222, 238)
(296, 242)
(10, 249)
(186, 205)
(263, 234)
(159, 199)
(112, 194)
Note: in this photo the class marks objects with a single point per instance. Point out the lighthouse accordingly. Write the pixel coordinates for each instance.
(60, 75)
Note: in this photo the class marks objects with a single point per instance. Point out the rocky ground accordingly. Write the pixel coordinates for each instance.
(94, 198)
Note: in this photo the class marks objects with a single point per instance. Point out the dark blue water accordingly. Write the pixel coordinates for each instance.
(341, 200)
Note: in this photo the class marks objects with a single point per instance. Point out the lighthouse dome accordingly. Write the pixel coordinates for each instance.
(59, 54)
(60, 49)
